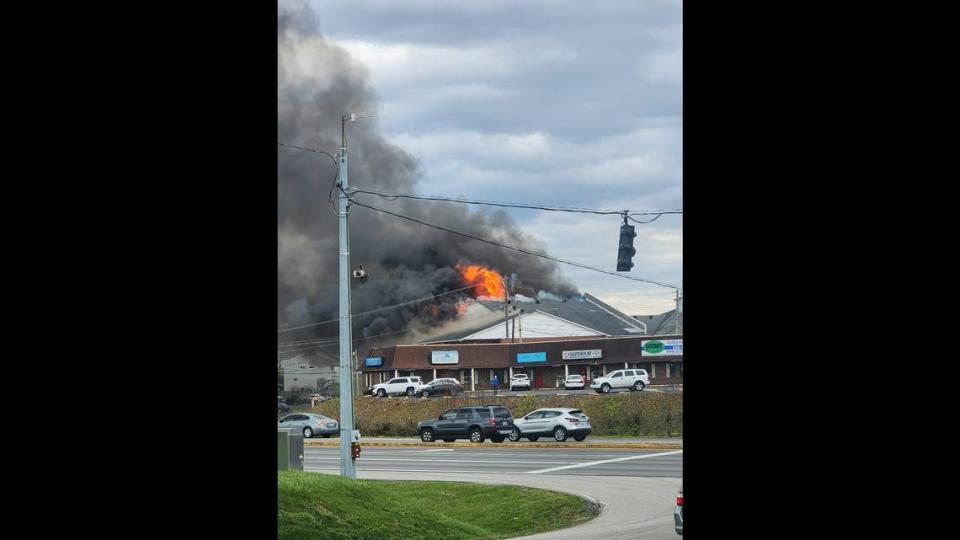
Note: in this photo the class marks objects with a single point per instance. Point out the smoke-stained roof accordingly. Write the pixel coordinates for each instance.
(587, 311)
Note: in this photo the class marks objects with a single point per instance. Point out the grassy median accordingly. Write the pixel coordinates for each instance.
(630, 414)
(325, 506)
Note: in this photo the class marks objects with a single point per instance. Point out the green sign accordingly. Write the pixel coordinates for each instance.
(653, 347)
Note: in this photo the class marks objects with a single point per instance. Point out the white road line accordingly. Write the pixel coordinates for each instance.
(364, 469)
(590, 463)
(486, 461)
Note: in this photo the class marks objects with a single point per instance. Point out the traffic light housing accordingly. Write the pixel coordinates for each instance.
(627, 251)
(354, 450)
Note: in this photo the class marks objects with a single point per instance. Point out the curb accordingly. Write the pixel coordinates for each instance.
(623, 446)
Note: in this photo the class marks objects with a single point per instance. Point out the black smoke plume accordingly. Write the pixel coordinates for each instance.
(317, 83)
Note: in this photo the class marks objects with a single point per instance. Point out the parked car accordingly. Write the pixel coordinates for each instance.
(557, 423)
(678, 513)
(475, 423)
(634, 379)
(436, 387)
(398, 385)
(574, 382)
(282, 405)
(520, 380)
(310, 424)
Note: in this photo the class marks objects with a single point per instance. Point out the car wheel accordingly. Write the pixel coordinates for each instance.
(410, 391)
(514, 435)
(638, 386)
(605, 388)
(449, 440)
(307, 433)
(426, 393)
(476, 435)
(560, 434)
(426, 435)
(579, 438)
(381, 392)
(533, 439)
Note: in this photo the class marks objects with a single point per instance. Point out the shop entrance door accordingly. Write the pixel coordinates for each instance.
(538, 378)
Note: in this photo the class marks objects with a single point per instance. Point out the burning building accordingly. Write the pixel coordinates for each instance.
(545, 338)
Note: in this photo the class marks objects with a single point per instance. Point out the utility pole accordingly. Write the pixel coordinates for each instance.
(678, 311)
(506, 321)
(346, 338)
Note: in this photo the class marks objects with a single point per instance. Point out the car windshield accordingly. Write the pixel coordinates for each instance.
(573, 378)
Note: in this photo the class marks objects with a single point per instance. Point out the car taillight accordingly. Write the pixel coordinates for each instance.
(680, 499)
(493, 421)
(574, 420)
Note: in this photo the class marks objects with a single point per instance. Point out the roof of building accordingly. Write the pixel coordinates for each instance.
(664, 323)
(587, 311)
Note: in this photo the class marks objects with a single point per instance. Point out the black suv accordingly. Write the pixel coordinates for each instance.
(475, 423)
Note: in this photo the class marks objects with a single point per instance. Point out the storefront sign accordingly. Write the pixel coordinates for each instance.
(581, 355)
(523, 358)
(444, 357)
(661, 347)
(373, 362)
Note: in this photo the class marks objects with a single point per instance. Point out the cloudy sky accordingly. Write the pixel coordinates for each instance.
(546, 102)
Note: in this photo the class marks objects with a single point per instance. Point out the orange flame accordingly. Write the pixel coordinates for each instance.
(486, 282)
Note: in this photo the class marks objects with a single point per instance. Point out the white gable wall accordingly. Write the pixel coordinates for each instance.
(536, 325)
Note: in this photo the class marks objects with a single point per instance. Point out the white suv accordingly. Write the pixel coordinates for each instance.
(555, 423)
(520, 380)
(634, 379)
(399, 385)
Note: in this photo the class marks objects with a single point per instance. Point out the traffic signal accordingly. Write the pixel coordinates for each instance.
(627, 251)
(354, 450)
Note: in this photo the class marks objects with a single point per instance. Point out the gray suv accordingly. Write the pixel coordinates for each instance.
(474, 423)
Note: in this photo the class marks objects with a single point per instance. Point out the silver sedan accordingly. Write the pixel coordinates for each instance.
(310, 424)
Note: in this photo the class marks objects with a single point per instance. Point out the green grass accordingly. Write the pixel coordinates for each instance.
(315, 505)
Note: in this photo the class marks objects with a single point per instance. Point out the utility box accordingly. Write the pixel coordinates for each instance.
(289, 449)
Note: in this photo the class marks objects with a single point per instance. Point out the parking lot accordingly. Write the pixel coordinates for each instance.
(556, 392)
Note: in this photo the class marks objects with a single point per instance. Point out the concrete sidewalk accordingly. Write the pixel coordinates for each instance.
(632, 507)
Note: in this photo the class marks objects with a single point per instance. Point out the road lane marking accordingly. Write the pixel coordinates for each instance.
(488, 462)
(365, 469)
(590, 463)
(440, 450)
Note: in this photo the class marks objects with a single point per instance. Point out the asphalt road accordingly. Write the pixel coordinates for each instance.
(508, 460)
(636, 489)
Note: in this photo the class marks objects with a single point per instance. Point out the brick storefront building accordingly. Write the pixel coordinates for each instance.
(545, 360)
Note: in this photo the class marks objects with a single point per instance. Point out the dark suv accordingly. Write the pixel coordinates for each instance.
(475, 423)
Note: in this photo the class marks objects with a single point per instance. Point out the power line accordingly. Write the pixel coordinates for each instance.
(521, 250)
(550, 208)
(336, 164)
(394, 306)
